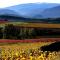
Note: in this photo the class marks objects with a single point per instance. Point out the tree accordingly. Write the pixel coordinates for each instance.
(1, 32)
(11, 31)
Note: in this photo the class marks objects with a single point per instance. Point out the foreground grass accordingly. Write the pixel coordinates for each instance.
(23, 45)
(26, 51)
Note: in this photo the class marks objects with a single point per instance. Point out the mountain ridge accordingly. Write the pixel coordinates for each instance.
(52, 12)
(32, 10)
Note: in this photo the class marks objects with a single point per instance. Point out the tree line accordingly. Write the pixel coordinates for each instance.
(11, 31)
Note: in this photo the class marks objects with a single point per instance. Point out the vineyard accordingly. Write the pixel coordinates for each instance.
(26, 51)
(14, 51)
(19, 41)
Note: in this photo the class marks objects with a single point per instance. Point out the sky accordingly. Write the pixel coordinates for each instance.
(7, 3)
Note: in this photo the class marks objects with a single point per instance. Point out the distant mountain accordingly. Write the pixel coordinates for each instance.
(8, 12)
(32, 10)
(52, 12)
(11, 15)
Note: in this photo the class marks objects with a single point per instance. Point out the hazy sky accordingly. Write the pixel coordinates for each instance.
(6, 3)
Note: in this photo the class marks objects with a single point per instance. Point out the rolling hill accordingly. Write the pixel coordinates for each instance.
(8, 12)
(52, 12)
(32, 10)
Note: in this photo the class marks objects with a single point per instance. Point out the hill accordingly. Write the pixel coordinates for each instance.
(52, 12)
(32, 10)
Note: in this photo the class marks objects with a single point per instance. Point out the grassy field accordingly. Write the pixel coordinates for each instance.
(23, 45)
(25, 24)
(12, 51)
(26, 51)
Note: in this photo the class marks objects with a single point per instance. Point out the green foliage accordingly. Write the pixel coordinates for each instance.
(11, 31)
(1, 32)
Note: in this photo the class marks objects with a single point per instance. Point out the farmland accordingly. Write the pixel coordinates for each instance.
(26, 51)
(14, 50)
(18, 47)
(23, 45)
(27, 24)
(26, 30)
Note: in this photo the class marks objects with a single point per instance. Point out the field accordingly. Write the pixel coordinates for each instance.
(26, 51)
(26, 24)
(12, 49)
(23, 45)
